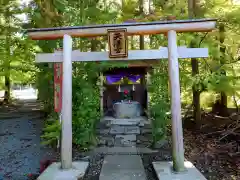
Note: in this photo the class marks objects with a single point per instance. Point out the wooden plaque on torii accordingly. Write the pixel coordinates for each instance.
(118, 44)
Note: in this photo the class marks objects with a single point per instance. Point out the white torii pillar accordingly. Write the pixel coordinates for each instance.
(177, 130)
(66, 136)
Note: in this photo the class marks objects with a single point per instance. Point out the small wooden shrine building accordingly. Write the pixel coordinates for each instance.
(132, 79)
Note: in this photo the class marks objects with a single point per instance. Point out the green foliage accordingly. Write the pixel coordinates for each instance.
(86, 101)
(208, 98)
(86, 104)
(16, 52)
(45, 85)
(159, 101)
(215, 81)
(52, 130)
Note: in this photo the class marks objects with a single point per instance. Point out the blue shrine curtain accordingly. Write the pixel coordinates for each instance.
(111, 79)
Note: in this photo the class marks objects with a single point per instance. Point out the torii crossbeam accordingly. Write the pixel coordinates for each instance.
(172, 53)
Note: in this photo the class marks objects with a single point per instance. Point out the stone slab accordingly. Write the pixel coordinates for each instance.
(103, 131)
(116, 129)
(106, 140)
(116, 150)
(110, 118)
(164, 172)
(125, 140)
(125, 122)
(131, 137)
(131, 130)
(141, 121)
(54, 171)
(123, 150)
(122, 167)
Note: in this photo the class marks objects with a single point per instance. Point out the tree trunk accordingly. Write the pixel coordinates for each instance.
(141, 42)
(132, 43)
(7, 61)
(7, 88)
(93, 45)
(7, 73)
(196, 92)
(141, 10)
(195, 68)
(223, 101)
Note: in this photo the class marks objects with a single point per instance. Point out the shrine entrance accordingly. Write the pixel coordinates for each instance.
(118, 51)
(128, 83)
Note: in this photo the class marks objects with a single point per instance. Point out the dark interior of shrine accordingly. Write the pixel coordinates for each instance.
(115, 91)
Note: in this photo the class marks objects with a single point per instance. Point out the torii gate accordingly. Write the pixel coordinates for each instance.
(172, 53)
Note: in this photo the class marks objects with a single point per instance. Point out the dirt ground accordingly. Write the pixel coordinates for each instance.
(215, 147)
(211, 160)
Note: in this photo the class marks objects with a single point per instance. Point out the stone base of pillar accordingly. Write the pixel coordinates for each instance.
(164, 171)
(54, 171)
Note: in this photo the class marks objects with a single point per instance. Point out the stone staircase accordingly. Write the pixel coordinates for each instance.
(122, 132)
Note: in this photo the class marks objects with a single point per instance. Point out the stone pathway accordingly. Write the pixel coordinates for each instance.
(122, 167)
(118, 138)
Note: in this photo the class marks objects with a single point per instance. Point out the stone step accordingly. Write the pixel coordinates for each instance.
(145, 131)
(110, 118)
(103, 131)
(106, 140)
(116, 129)
(132, 130)
(138, 121)
(125, 122)
(122, 167)
(125, 140)
(123, 150)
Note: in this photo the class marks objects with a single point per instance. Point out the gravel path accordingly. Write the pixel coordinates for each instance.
(20, 144)
(20, 152)
(94, 169)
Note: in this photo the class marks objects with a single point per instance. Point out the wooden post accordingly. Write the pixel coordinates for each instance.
(148, 95)
(177, 131)
(58, 95)
(66, 144)
(101, 94)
